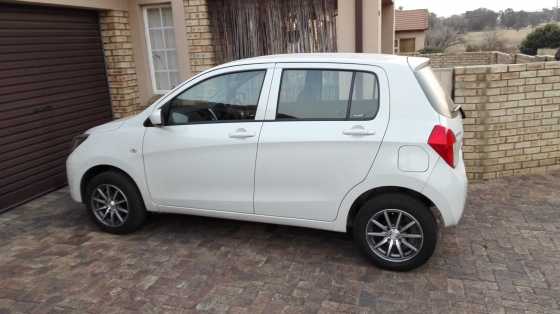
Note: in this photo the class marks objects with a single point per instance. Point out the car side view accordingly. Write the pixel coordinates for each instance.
(359, 143)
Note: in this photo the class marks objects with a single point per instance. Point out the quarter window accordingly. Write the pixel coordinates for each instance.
(327, 95)
(162, 50)
(227, 97)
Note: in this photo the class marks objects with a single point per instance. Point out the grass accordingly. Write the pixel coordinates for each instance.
(511, 39)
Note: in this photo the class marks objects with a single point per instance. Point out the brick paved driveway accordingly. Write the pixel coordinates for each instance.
(503, 258)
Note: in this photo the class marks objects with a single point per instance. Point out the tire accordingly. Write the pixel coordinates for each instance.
(368, 235)
(128, 216)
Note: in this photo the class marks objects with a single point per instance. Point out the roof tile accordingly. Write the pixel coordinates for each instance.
(411, 20)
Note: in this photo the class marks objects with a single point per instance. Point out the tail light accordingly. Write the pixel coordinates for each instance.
(442, 140)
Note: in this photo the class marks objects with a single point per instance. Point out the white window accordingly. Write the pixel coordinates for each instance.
(162, 50)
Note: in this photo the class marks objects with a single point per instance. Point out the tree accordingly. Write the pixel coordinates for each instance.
(442, 37)
(456, 22)
(521, 21)
(547, 36)
(507, 18)
(481, 19)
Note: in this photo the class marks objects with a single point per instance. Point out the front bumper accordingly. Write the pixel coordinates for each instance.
(74, 178)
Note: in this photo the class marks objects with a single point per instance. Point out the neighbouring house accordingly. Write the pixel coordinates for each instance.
(68, 65)
(410, 30)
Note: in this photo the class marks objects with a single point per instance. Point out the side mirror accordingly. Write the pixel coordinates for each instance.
(156, 118)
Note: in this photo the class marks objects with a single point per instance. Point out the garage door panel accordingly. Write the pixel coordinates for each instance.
(31, 191)
(15, 12)
(54, 25)
(23, 180)
(39, 142)
(13, 92)
(27, 115)
(5, 49)
(54, 86)
(39, 78)
(97, 115)
(50, 62)
(29, 166)
(37, 94)
(41, 55)
(29, 129)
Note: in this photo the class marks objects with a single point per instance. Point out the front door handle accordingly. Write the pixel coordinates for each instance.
(241, 133)
(358, 131)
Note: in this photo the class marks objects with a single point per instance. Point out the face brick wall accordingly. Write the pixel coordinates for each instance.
(513, 114)
(119, 60)
(199, 37)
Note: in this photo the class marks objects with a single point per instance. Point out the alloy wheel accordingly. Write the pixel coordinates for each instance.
(394, 235)
(109, 205)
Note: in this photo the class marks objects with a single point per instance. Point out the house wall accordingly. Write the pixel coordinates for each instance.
(513, 118)
(201, 43)
(446, 60)
(346, 26)
(120, 62)
(388, 29)
(371, 26)
(419, 36)
(137, 26)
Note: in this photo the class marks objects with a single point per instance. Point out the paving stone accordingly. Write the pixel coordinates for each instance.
(504, 257)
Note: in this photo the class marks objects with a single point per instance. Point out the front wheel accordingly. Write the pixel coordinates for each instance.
(396, 231)
(114, 203)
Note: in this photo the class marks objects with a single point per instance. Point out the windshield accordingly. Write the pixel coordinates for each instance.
(439, 99)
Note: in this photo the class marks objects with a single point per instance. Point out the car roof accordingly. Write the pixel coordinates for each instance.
(352, 58)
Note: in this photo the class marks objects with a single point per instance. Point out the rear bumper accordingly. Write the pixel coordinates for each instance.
(447, 188)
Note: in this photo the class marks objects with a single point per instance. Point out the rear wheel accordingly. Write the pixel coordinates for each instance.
(396, 231)
(114, 203)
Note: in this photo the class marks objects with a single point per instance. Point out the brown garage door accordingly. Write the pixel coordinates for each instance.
(52, 87)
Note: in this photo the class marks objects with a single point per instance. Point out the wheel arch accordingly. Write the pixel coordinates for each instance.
(367, 195)
(95, 170)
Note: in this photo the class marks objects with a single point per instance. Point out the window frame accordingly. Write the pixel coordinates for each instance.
(167, 106)
(150, 50)
(348, 106)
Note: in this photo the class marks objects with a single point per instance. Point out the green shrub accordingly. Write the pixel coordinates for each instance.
(547, 36)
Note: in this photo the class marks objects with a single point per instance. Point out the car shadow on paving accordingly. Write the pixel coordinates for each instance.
(504, 257)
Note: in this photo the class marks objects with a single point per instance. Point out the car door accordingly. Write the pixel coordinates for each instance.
(324, 125)
(203, 157)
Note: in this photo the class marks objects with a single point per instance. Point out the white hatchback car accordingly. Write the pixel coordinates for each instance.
(343, 142)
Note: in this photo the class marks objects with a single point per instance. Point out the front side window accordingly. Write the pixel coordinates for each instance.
(162, 50)
(327, 95)
(227, 97)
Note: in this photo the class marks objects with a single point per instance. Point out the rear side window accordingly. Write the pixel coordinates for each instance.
(327, 95)
(438, 98)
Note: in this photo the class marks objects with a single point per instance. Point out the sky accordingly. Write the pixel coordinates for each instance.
(450, 7)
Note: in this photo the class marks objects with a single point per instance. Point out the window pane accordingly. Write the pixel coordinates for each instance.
(167, 16)
(171, 60)
(156, 39)
(159, 61)
(174, 79)
(365, 97)
(314, 94)
(227, 97)
(154, 19)
(169, 38)
(162, 81)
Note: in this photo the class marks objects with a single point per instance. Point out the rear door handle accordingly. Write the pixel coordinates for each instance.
(241, 133)
(358, 131)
